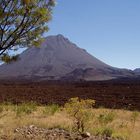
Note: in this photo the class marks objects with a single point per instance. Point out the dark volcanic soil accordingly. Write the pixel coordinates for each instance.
(107, 94)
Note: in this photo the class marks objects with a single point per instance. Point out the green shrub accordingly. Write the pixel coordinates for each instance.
(25, 108)
(104, 131)
(81, 111)
(51, 109)
(106, 117)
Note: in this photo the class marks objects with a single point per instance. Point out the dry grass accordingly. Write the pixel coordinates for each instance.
(121, 123)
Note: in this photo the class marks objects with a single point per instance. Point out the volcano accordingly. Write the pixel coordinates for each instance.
(59, 59)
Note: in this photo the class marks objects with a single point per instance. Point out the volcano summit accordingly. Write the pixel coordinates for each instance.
(59, 59)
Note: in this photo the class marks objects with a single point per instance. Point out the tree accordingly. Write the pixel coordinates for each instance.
(23, 23)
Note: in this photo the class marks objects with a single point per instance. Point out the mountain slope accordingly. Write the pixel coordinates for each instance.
(56, 59)
(137, 71)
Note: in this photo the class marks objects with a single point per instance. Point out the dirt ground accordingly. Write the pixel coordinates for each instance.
(107, 94)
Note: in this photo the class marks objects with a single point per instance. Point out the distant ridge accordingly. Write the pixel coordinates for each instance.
(137, 71)
(59, 59)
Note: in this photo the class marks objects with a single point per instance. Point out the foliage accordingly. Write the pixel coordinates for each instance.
(80, 110)
(23, 23)
(106, 117)
(8, 59)
(25, 108)
(51, 109)
(105, 131)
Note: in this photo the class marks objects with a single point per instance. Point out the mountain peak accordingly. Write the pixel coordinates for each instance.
(58, 41)
(58, 36)
(56, 58)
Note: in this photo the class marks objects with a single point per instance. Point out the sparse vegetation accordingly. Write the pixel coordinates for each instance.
(134, 117)
(119, 124)
(80, 111)
(51, 109)
(105, 131)
(106, 117)
(26, 108)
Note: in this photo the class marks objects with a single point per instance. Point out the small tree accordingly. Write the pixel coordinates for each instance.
(80, 110)
(23, 22)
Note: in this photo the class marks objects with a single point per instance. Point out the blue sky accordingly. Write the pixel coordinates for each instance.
(107, 29)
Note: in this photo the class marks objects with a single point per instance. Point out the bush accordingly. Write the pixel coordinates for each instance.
(106, 117)
(26, 108)
(105, 131)
(51, 109)
(81, 112)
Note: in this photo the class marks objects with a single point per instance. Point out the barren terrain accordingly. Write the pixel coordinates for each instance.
(107, 94)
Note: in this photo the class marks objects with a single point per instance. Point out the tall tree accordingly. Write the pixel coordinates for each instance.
(23, 23)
